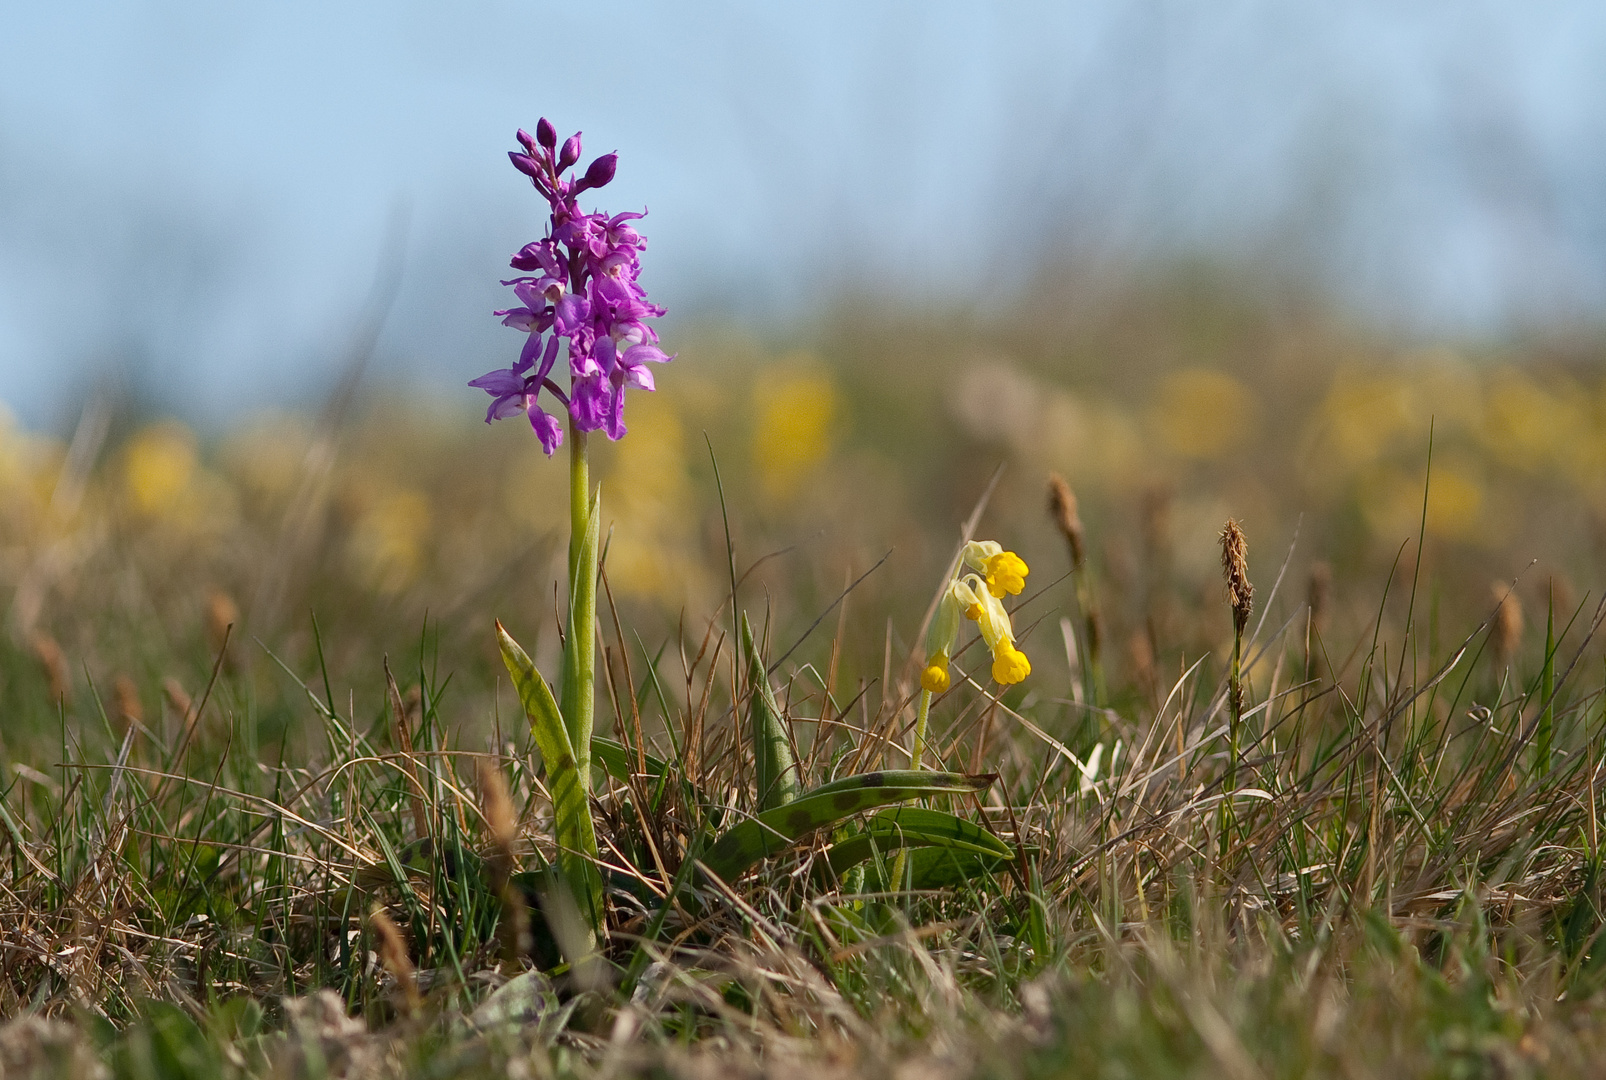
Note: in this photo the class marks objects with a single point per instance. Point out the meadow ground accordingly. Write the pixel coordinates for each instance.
(271, 806)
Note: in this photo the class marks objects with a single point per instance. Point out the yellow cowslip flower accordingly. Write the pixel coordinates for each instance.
(940, 642)
(978, 599)
(1005, 571)
(987, 611)
(1010, 665)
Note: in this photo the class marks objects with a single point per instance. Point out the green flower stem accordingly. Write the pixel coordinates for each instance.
(580, 652)
(897, 879)
(920, 729)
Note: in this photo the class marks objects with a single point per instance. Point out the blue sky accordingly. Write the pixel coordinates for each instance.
(199, 194)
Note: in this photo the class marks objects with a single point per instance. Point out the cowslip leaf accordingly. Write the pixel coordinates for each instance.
(772, 831)
(914, 827)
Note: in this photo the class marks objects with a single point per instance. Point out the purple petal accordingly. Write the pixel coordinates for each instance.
(504, 407)
(527, 257)
(588, 403)
(548, 359)
(582, 365)
(571, 311)
(529, 354)
(616, 415)
(545, 133)
(547, 429)
(651, 353)
(639, 377)
(499, 382)
(518, 318)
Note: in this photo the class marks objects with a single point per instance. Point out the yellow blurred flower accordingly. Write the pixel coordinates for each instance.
(1204, 414)
(1391, 502)
(646, 495)
(793, 417)
(1530, 427)
(390, 537)
(158, 467)
(1362, 417)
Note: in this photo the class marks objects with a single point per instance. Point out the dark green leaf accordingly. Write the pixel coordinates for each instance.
(914, 827)
(775, 830)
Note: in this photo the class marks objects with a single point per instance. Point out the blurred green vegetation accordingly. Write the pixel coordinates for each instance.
(403, 523)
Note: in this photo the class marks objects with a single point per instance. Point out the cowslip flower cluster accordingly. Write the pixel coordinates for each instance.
(579, 293)
(978, 597)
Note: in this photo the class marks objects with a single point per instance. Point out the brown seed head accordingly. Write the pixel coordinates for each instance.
(129, 709)
(48, 652)
(393, 954)
(221, 614)
(177, 699)
(1505, 635)
(1235, 571)
(1140, 650)
(501, 820)
(1062, 508)
(182, 705)
(1157, 527)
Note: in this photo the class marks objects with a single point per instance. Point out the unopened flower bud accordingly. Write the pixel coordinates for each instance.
(527, 142)
(600, 171)
(546, 134)
(570, 152)
(525, 164)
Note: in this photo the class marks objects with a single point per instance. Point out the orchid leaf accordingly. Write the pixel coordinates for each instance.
(773, 831)
(571, 805)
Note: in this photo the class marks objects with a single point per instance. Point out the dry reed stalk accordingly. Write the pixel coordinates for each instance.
(1319, 597)
(404, 742)
(1062, 509)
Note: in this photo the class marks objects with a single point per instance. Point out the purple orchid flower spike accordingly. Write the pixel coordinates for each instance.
(579, 292)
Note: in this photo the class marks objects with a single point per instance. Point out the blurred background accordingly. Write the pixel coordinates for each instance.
(1233, 259)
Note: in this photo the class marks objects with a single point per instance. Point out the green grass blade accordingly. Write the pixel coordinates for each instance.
(914, 827)
(773, 831)
(571, 805)
(775, 769)
(1544, 738)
